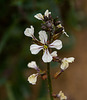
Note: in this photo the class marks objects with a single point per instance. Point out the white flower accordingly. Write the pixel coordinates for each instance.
(54, 54)
(47, 13)
(29, 31)
(62, 96)
(33, 64)
(65, 62)
(34, 48)
(33, 78)
(39, 16)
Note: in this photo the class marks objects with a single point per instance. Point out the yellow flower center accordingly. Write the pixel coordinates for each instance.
(45, 47)
(59, 26)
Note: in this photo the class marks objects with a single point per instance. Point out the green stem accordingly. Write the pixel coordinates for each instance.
(49, 81)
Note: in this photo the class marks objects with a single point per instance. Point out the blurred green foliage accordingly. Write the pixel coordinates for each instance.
(15, 16)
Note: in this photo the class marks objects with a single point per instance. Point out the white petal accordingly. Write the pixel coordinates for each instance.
(64, 65)
(54, 54)
(56, 44)
(70, 59)
(29, 31)
(46, 56)
(39, 16)
(33, 79)
(43, 37)
(34, 48)
(65, 33)
(32, 64)
(47, 13)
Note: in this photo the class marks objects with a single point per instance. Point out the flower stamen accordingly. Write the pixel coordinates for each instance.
(59, 26)
(45, 47)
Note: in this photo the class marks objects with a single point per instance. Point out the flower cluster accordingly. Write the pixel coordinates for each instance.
(51, 30)
(46, 42)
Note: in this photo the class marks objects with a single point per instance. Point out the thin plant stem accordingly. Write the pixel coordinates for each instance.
(49, 81)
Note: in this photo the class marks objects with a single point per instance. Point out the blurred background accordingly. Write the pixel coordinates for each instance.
(15, 16)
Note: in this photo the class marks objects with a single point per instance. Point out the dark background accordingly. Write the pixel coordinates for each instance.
(15, 16)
